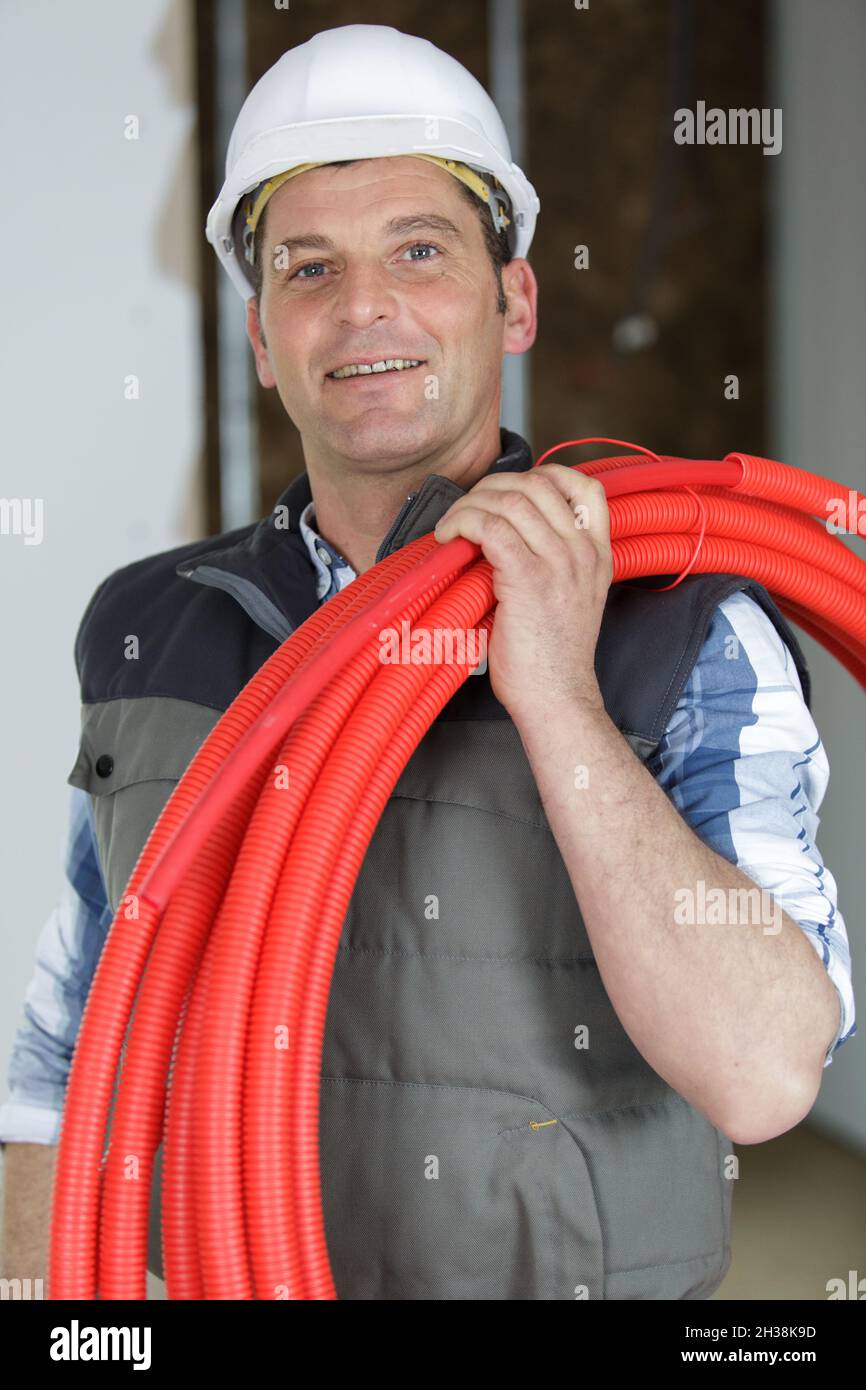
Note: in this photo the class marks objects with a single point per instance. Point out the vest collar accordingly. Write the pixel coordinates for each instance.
(422, 509)
(267, 567)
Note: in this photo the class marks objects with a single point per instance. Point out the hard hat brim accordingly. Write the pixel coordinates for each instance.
(370, 137)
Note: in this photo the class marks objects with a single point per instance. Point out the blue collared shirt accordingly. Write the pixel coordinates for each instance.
(333, 573)
(741, 759)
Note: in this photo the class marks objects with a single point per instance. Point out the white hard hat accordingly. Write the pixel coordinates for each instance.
(364, 91)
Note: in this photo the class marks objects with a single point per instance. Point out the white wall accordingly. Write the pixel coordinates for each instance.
(97, 259)
(818, 378)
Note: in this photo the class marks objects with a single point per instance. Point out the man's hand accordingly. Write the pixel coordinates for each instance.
(546, 534)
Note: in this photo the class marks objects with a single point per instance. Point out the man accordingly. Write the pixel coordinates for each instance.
(535, 1061)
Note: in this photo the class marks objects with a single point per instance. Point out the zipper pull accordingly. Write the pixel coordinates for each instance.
(395, 524)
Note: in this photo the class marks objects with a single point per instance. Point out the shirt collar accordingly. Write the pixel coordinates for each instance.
(333, 572)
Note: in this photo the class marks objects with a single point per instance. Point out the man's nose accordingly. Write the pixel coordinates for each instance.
(364, 295)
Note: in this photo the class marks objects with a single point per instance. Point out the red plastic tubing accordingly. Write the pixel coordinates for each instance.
(217, 968)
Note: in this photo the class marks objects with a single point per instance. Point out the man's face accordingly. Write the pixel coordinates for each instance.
(398, 269)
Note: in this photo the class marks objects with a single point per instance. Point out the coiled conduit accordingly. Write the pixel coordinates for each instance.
(230, 922)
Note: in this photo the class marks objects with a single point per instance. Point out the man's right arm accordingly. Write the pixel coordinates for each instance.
(67, 954)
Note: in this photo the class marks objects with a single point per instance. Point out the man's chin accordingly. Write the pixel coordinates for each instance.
(381, 434)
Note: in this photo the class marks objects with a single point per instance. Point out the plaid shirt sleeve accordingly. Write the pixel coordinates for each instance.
(67, 954)
(744, 763)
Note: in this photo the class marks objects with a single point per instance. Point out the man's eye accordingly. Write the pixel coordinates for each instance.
(311, 265)
(428, 244)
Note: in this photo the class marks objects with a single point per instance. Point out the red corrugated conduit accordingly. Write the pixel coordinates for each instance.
(223, 946)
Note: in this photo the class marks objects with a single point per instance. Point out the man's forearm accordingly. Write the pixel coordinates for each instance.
(736, 1017)
(28, 1177)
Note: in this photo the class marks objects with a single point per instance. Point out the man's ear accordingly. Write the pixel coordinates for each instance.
(521, 316)
(256, 335)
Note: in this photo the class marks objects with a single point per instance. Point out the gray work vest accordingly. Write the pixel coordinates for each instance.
(469, 1148)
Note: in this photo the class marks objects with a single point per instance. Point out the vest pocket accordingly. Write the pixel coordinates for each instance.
(663, 1194)
(452, 1192)
(132, 753)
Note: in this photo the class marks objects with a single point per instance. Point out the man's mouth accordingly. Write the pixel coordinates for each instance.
(386, 364)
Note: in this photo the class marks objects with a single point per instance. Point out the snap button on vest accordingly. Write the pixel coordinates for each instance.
(104, 765)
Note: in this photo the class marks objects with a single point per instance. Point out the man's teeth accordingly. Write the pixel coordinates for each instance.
(388, 364)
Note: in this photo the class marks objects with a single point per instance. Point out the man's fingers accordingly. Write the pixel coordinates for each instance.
(566, 500)
(502, 537)
(518, 509)
(585, 496)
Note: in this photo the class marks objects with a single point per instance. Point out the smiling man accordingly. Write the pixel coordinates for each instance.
(535, 1066)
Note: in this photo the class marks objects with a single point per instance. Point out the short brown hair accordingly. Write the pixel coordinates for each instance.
(496, 242)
